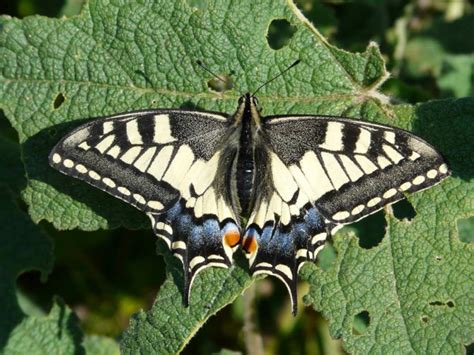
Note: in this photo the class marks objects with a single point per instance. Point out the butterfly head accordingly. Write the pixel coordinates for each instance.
(249, 109)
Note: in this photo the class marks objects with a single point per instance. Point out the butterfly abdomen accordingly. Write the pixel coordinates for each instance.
(245, 165)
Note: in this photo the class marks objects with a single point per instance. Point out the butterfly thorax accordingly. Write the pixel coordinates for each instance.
(248, 117)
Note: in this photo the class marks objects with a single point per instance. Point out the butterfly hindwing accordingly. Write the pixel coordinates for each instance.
(167, 163)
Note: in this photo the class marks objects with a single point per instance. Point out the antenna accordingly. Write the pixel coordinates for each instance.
(198, 62)
(277, 76)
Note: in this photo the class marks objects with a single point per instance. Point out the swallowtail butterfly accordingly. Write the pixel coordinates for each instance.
(295, 178)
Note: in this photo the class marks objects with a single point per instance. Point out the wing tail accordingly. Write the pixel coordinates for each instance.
(198, 243)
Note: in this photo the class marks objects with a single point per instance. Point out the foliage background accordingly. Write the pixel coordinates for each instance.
(105, 276)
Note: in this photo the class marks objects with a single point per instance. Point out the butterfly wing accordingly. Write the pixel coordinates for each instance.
(322, 172)
(166, 163)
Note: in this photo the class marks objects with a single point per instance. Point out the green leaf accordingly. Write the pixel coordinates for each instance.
(97, 345)
(57, 333)
(24, 247)
(169, 326)
(119, 56)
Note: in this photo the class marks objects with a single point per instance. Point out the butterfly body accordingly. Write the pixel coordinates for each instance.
(295, 179)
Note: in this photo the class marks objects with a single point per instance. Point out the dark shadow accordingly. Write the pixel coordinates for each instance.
(370, 230)
(403, 210)
(280, 33)
(58, 101)
(224, 84)
(35, 154)
(360, 323)
(448, 125)
(450, 34)
(189, 105)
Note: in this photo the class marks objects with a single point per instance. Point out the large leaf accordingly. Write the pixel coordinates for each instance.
(118, 56)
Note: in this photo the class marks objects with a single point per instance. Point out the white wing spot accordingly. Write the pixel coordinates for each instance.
(68, 163)
(285, 270)
(432, 174)
(179, 166)
(418, 180)
(84, 146)
(109, 182)
(159, 164)
(351, 168)
(196, 260)
(114, 151)
(365, 164)
(318, 238)
(164, 226)
(363, 142)
(389, 136)
(405, 186)
(282, 178)
(108, 127)
(373, 202)
(334, 169)
(156, 205)
(413, 156)
(390, 193)
(333, 139)
(81, 168)
(358, 209)
(162, 132)
(311, 168)
(56, 158)
(383, 162)
(94, 175)
(392, 153)
(133, 135)
(105, 143)
(443, 169)
(124, 191)
(178, 245)
(139, 198)
(143, 162)
(339, 216)
(131, 154)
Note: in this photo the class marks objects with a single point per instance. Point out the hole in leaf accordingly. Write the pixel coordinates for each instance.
(370, 230)
(450, 304)
(403, 210)
(327, 257)
(280, 33)
(221, 85)
(58, 101)
(360, 323)
(424, 319)
(466, 230)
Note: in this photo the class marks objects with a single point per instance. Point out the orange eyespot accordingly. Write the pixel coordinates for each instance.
(250, 244)
(232, 238)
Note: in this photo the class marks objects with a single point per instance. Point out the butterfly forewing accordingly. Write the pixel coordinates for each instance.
(347, 168)
(167, 163)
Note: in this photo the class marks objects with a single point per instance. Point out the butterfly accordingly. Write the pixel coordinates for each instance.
(295, 179)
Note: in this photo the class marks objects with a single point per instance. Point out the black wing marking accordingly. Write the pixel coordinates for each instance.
(167, 163)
